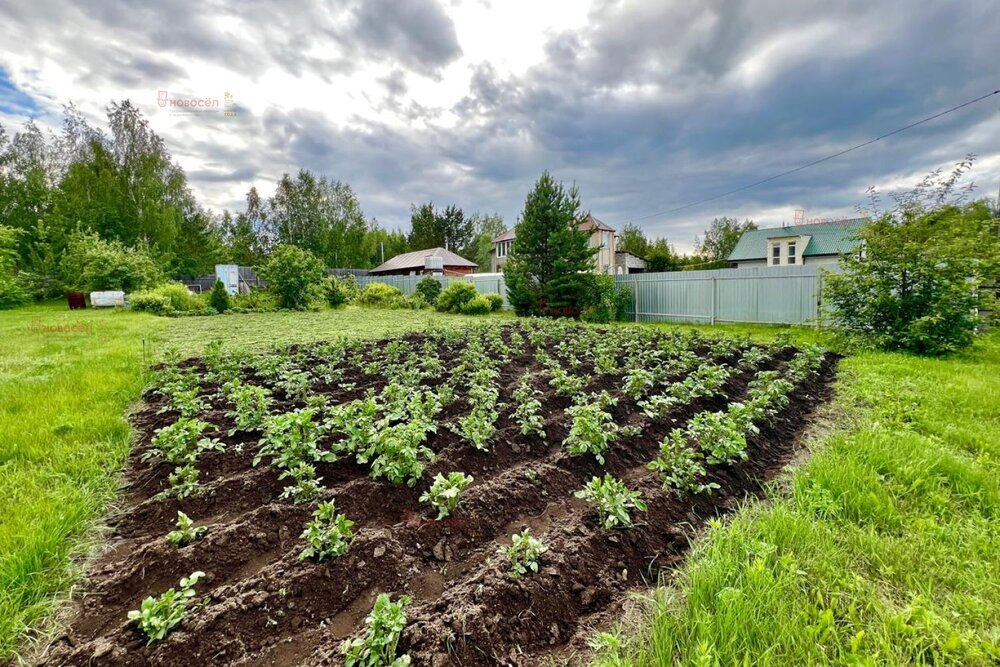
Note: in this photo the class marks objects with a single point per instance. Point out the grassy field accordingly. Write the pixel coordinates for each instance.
(66, 382)
(883, 549)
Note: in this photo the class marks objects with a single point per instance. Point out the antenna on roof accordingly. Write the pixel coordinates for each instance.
(800, 216)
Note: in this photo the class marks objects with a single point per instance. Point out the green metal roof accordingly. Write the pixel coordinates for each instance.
(826, 238)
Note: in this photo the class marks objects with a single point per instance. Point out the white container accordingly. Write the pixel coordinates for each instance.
(108, 299)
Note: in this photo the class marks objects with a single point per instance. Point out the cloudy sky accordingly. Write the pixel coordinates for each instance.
(645, 105)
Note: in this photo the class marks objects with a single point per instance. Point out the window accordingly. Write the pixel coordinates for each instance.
(604, 239)
(503, 248)
(791, 252)
(775, 254)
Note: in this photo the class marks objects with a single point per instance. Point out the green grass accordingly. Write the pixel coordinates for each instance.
(883, 549)
(63, 434)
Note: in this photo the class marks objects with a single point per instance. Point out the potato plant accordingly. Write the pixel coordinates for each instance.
(328, 535)
(523, 554)
(680, 466)
(250, 405)
(444, 493)
(377, 648)
(593, 429)
(612, 500)
(158, 616)
(527, 409)
(186, 532)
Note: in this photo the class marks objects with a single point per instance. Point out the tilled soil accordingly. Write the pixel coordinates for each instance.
(263, 606)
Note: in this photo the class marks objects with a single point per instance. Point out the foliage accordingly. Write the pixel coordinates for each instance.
(523, 553)
(292, 441)
(479, 305)
(613, 501)
(487, 226)
(433, 228)
(495, 300)
(721, 237)
(218, 298)
(605, 300)
(632, 239)
(429, 287)
(259, 300)
(13, 292)
(328, 535)
(680, 466)
(292, 275)
(92, 264)
(166, 299)
(380, 295)
(443, 495)
(549, 264)
(378, 647)
(528, 408)
(156, 617)
(915, 287)
(250, 405)
(181, 442)
(186, 532)
(456, 295)
(593, 428)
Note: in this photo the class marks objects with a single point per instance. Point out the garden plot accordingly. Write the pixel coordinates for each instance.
(481, 496)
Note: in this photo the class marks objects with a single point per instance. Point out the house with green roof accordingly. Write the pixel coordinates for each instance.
(795, 245)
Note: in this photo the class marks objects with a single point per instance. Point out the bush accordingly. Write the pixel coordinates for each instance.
(496, 301)
(293, 276)
(605, 301)
(218, 298)
(380, 295)
(166, 299)
(429, 288)
(456, 295)
(91, 263)
(12, 291)
(349, 285)
(258, 300)
(147, 302)
(915, 288)
(477, 306)
(334, 292)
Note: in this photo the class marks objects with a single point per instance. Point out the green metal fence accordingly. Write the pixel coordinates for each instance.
(780, 294)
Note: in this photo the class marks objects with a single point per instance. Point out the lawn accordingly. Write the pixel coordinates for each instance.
(882, 549)
(67, 380)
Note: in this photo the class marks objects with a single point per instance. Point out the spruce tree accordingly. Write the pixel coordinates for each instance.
(549, 268)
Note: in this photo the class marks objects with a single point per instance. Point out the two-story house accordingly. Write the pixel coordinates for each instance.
(794, 245)
(602, 237)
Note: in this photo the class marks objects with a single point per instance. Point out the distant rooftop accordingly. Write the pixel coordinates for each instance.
(587, 224)
(825, 238)
(417, 259)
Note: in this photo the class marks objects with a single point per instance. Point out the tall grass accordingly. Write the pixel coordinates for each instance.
(883, 549)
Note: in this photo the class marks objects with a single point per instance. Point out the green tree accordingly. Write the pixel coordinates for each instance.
(433, 228)
(662, 257)
(488, 227)
(294, 276)
(721, 238)
(91, 263)
(549, 268)
(218, 298)
(632, 239)
(245, 236)
(382, 244)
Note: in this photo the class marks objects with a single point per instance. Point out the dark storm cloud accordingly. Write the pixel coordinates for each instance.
(417, 33)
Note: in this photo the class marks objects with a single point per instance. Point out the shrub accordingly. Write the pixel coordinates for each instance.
(605, 301)
(91, 263)
(334, 292)
(218, 298)
(350, 287)
(293, 275)
(456, 295)
(380, 295)
(255, 299)
(147, 302)
(496, 301)
(429, 288)
(477, 306)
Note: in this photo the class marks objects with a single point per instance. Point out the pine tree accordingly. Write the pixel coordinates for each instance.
(549, 269)
(218, 298)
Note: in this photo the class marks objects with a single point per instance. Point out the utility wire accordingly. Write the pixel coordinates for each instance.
(819, 161)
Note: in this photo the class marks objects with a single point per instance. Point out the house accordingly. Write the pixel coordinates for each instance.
(794, 245)
(602, 237)
(627, 262)
(433, 261)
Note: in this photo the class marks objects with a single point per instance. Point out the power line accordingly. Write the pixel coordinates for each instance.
(819, 161)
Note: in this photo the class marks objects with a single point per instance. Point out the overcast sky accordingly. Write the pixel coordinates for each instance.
(645, 105)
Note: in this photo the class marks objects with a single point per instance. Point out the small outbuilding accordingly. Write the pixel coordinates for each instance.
(433, 261)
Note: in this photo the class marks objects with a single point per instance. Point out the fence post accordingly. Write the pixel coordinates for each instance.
(635, 299)
(713, 300)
